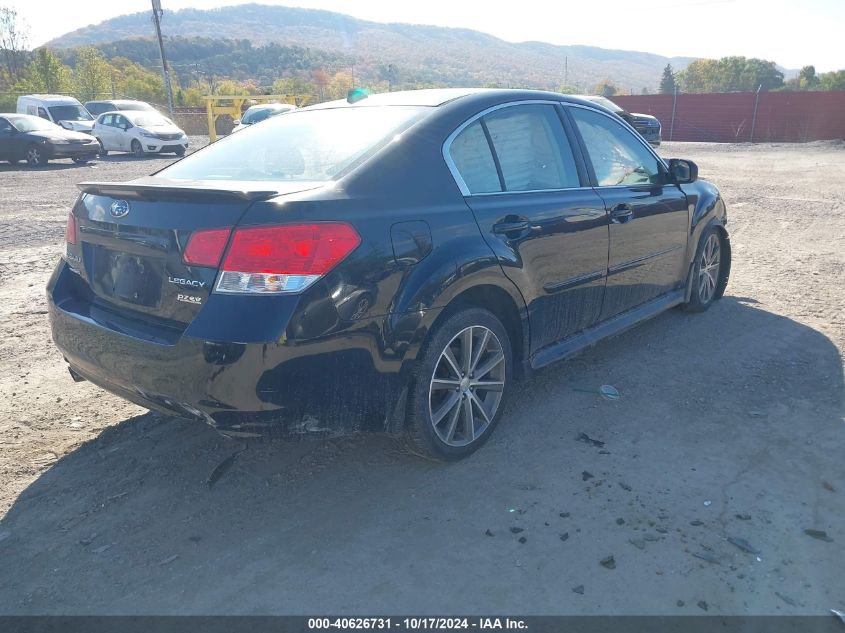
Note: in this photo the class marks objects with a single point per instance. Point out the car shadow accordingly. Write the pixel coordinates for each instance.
(161, 515)
(53, 165)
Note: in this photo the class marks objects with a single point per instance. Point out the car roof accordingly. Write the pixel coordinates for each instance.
(434, 97)
(45, 97)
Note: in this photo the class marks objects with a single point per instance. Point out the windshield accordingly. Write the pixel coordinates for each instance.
(312, 145)
(135, 105)
(32, 124)
(70, 113)
(149, 120)
(259, 114)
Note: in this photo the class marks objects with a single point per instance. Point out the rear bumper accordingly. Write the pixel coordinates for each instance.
(345, 380)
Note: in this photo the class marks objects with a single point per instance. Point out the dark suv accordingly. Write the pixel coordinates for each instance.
(396, 262)
(648, 126)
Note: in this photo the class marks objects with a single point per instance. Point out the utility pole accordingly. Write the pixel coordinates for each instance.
(157, 12)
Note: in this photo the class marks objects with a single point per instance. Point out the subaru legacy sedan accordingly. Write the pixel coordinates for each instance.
(392, 263)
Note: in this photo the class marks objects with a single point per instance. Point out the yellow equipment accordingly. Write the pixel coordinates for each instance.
(215, 105)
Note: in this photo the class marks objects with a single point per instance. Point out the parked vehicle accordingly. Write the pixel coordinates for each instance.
(60, 109)
(140, 132)
(97, 108)
(31, 138)
(261, 112)
(648, 126)
(399, 262)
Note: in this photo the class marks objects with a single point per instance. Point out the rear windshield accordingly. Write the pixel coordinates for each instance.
(135, 105)
(310, 145)
(70, 113)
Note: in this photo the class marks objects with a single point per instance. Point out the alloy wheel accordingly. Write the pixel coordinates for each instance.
(33, 156)
(466, 386)
(708, 268)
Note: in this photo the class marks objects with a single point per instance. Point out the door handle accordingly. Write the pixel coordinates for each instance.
(515, 226)
(621, 213)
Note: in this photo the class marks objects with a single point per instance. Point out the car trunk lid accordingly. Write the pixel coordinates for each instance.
(131, 237)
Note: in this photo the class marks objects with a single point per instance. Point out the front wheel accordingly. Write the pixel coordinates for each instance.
(137, 149)
(35, 156)
(460, 385)
(709, 272)
(180, 151)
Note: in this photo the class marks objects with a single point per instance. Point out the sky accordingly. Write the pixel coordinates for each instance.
(792, 33)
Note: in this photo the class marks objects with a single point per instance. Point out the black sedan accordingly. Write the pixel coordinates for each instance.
(398, 262)
(35, 140)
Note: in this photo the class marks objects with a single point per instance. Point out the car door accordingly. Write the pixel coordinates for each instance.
(103, 130)
(548, 228)
(7, 133)
(649, 217)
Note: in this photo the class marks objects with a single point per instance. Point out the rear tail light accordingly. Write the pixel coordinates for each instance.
(205, 248)
(284, 259)
(70, 229)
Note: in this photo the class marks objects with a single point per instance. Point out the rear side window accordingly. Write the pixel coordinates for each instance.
(617, 156)
(107, 119)
(532, 148)
(470, 152)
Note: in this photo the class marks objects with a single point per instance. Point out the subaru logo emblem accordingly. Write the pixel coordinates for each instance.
(119, 208)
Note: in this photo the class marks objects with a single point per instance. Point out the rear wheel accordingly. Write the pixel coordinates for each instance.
(460, 385)
(708, 273)
(35, 156)
(103, 151)
(137, 148)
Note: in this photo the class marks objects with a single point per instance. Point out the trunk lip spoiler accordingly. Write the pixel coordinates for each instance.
(140, 189)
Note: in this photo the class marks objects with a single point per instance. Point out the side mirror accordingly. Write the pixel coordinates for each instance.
(682, 171)
(124, 126)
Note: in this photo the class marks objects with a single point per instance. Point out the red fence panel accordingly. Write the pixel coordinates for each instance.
(729, 118)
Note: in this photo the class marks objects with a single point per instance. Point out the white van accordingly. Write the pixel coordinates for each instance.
(60, 109)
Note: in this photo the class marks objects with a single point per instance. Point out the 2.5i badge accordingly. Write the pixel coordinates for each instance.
(189, 299)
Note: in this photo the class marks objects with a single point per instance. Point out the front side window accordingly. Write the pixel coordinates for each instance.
(471, 154)
(617, 156)
(532, 148)
(306, 145)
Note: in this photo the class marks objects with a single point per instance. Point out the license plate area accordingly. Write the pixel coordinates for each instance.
(128, 278)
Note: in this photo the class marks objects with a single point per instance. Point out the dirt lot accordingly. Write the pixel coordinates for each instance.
(730, 426)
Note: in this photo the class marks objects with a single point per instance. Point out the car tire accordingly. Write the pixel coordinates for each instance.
(35, 156)
(709, 274)
(137, 149)
(179, 152)
(103, 151)
(453, 407)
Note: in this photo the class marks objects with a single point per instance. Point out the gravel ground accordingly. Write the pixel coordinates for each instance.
(730, 426)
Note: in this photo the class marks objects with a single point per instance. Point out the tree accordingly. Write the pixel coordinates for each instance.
(807, 79)
(14, 36)
(667, 82)
(92, 74)
(605, 88)
(730, 74)
(834, 80)
(45, 73)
